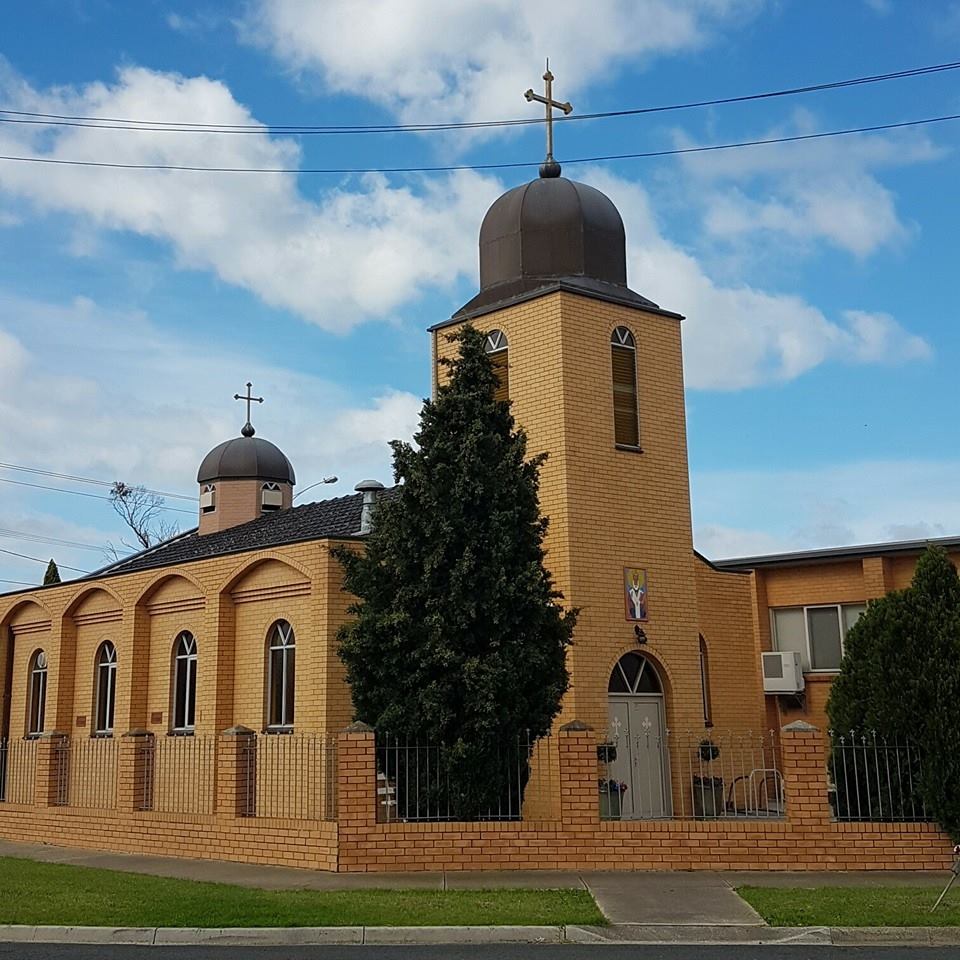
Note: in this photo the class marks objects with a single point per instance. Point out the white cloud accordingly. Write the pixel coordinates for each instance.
(441, 60)
(164, 405)
(882, 8)
(739, 336)
(818, 190)
(362, 250)
(836, 505)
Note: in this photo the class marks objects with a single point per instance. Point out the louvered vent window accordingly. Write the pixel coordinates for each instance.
(497, 352)
(626, 423)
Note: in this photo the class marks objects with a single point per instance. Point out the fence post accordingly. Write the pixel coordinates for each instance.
(579, 791)
(236, 772)
(356, 777)
(51, 770)
(132, 764)
(805, 774)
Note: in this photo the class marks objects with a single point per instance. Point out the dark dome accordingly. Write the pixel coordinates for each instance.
(552, 227)
(552, 233)
(246, 458)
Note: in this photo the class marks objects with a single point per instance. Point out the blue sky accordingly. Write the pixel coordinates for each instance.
(818, 278)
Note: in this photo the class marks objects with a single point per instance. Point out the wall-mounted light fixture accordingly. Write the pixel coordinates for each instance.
(639, 634)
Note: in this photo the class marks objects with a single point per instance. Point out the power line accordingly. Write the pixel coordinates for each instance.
(650, 154)
(23, 556)
(101, 483)
(170, 126)
(39, 538)
(21, 583)
(77, 493)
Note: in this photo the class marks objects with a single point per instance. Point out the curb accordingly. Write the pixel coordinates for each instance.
(622, 933)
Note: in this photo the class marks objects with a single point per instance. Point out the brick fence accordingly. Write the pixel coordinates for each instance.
(807, 838)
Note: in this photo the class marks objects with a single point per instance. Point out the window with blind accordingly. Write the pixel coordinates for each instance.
(496, 348)
(626, 421)
(816, 633)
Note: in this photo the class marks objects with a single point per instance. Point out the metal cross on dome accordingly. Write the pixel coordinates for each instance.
(550, 167)
(248, 430)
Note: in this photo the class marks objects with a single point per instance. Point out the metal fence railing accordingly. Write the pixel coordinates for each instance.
(179, 774)
(517, 779)
(18, 765)
(875, 779)
(291, 776)
(699, 775)
(86, 771)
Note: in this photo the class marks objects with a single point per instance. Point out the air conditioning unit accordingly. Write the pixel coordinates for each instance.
(782, 672)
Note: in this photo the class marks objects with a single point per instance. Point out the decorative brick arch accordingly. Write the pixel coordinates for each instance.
(20, 604)
(86, 591)
(164, 577)
(246, 566)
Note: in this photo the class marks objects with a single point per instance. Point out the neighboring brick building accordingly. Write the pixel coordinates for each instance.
(234, 624)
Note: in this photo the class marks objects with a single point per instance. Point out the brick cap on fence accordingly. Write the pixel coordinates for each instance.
(238, 731)
(52, 735)
(138, 732)
(358, 727)
(576, 726)
(800, 726)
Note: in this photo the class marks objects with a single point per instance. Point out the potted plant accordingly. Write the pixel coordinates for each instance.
(707, 789)
(611, 798)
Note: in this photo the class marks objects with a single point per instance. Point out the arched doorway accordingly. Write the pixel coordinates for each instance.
(638, 731)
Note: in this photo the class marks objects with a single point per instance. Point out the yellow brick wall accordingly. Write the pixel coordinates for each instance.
(608, 508)
(227, 602)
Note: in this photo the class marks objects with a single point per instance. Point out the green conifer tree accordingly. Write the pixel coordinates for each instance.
(900, 680)
(459, 636)
(52, 575)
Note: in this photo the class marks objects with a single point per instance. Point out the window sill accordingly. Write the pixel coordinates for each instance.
(180, 733)
(32, 736)
(627, 448)
(101, 735)
(816, 675)
(271, 731)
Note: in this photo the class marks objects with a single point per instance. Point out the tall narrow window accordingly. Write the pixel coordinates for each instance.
(106, 691)
(38, 692)
(626, 421)
(184, 683)
(705, 684)
(281, 679)
(496, 348)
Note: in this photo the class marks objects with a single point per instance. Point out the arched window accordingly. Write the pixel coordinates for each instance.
(38, 692)
(496, 348)
(106, 688)
(626, 420)
(208, 498)
(184, 683)
(281, 676)
(634, 674)
(705, 683)
(271, 497)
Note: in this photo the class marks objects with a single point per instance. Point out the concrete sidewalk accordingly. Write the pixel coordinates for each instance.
(674, 899)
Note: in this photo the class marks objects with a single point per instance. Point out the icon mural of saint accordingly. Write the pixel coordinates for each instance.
(635, 592)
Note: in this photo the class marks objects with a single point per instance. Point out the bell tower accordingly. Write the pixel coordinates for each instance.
(594, 374)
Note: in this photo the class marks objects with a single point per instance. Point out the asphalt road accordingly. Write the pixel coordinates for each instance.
(40, 951)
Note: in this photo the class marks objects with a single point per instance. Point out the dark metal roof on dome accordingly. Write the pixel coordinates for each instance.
(246, 458)
(552, 233)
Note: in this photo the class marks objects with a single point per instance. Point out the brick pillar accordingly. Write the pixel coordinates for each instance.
(876, 577)
(135, 771)
(356, 778)
(579, 792)
(237, 772)
(51, 772)
(805, 774)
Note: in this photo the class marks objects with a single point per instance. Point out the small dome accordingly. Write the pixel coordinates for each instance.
(246, 458)
(551, 228)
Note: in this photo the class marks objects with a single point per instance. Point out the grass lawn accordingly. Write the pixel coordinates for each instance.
(49, 893)
(855, 906)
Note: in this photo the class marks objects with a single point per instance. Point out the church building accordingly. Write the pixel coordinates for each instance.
(233, 624)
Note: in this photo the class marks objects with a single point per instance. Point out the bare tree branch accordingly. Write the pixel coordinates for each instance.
(142, 512)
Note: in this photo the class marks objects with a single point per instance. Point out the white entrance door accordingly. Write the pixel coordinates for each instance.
(637, 730)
